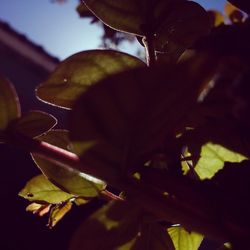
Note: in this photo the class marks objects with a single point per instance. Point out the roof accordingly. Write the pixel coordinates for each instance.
(21, 44)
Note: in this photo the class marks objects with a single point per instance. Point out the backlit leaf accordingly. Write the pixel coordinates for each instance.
(183, 23)
(74, 75)
(104, 231)
(41, 189)
(213, 157)
(58, 212)
(9, 105)
(174, 25)
(70, 180)
(34, 123)
(118, 14)
(184, 240)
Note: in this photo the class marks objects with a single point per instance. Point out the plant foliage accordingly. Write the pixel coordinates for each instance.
(170, 135)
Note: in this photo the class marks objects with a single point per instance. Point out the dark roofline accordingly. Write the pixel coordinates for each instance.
(22, 38)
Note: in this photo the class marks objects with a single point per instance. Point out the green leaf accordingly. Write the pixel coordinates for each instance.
(129, 115)
(40, 189)
(184, 240)
(9, 105)
(213, 157)
(74, 75)
(105, 231)
(34, 123)
(70, 180)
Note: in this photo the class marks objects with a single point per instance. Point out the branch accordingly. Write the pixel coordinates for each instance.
(165, 207)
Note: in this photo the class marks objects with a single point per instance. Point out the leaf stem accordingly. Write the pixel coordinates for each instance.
(164, 207)
(148, 42)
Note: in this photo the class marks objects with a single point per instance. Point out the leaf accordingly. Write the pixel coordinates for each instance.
(102, 231)
(58, 212)
(153, 236)
(40, 189)
(129, 115)
(181, 25)
(34, 123)
(9, 105)
(74, 75)
(234, 14)
(120, 15)
(140, 17)
(70, 180)
(213, 157)
(174, 25)
(216, 17)
(233, 180)
(184, 240)
(244, 5)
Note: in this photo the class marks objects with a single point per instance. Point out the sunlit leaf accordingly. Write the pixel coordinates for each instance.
(129, 115)
(41, 189)
(125, 16)
(9, 105)
(70, 180)
(213, 157)
(74, 75)
(34, 123)
(58, 212)
(110, 227)
(184, 240)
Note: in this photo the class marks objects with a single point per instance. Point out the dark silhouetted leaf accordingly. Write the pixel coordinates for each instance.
(152, 236)
(124, 16)
(130, 114)
(184, 240)
(101, 231)
(216, 17)
(238, 42)
(34, 123)
(9, 105)
(70, 180)
(234, 14)
(181, 25)
(41, 189)
(242, 4)
(74, 75)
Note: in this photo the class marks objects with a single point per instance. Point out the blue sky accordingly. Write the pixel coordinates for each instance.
(57, 27)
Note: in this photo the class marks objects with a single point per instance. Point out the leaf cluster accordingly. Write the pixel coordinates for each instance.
(171, 136)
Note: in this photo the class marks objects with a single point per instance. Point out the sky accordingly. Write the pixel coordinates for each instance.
(57, 27)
